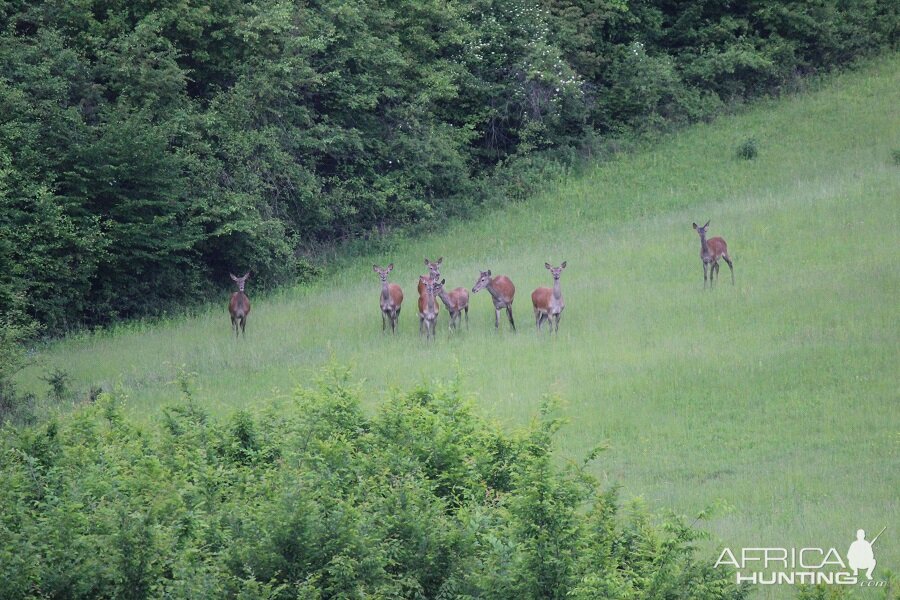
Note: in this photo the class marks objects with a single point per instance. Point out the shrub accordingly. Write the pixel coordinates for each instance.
(314, 499)
(748, 149)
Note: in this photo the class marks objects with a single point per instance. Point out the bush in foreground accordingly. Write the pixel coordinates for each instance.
(311, 498)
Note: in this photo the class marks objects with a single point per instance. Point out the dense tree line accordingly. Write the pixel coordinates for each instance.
(146, 148)
(313, 499)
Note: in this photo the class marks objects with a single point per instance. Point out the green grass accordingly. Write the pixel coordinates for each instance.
(778, 396)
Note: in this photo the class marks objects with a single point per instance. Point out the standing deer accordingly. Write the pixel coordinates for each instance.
(710, 251)
(456, 301)
(391, 298)
(428, 307)
(502, 291)
(434, 273)
(239, 305)
(548, 303)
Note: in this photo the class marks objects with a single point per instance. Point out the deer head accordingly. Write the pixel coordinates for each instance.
(483, 280)
(701, 230)
(383, 273)
(240, 281)
(555, 271)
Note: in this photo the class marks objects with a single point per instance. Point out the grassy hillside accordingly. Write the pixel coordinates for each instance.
(778, 396)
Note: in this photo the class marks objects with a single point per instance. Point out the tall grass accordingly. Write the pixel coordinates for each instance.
(778, 396)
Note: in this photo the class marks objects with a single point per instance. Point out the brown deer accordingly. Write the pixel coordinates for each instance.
(239, 305)
(434, 273)
(456, 301)
(391, 298)
(548, 303)
(710, 252)
(502, 292)
(428, 307)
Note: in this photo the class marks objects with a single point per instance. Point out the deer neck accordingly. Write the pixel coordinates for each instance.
(704, 246)
(385, 293)
(445, 298)
(557, 291)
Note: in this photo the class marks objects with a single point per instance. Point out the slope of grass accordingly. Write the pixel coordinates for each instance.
(778, 396)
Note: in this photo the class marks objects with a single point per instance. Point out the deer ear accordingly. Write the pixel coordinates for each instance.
(426, 261)
(246, 275)
(390, 267)
(233, 278)
(547, 266)
(695, 226)
(707, 224)
(442, 281)
(440, 260)
(563, 266)
(489, 273)
(375, 268)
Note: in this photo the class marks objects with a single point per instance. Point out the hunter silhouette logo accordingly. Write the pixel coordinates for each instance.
(860, 555)
(807, 565)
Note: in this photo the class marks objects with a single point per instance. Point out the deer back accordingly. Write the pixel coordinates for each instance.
(503, 288)
(717, 247)
(541, 297)
(395, 294)
(239, 306)
(459, 297)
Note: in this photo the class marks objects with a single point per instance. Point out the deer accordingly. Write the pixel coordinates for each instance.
(502, 292)
(434, 273)
(456, 301)
(391, 299)
(710, 252)
(239, 305)
(548, 303)
(428, 307)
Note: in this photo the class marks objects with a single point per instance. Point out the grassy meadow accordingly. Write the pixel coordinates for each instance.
(779, 396)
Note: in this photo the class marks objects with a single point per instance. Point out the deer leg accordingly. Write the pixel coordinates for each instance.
(509, 313)
(705, 266)
(383, 324)
(243, 326)
(730, 267)
(537, 319)
(496, 318)
(558, 317)
(467, 317)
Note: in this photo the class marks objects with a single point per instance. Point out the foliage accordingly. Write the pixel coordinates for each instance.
(310, 498)
(149, 148)
(748, 149)
(15, 330)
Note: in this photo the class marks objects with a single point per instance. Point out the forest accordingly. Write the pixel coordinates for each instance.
(149, 148)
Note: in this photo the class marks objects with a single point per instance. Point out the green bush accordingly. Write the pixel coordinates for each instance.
(310, 498)
(15, 330)
(748, 149)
